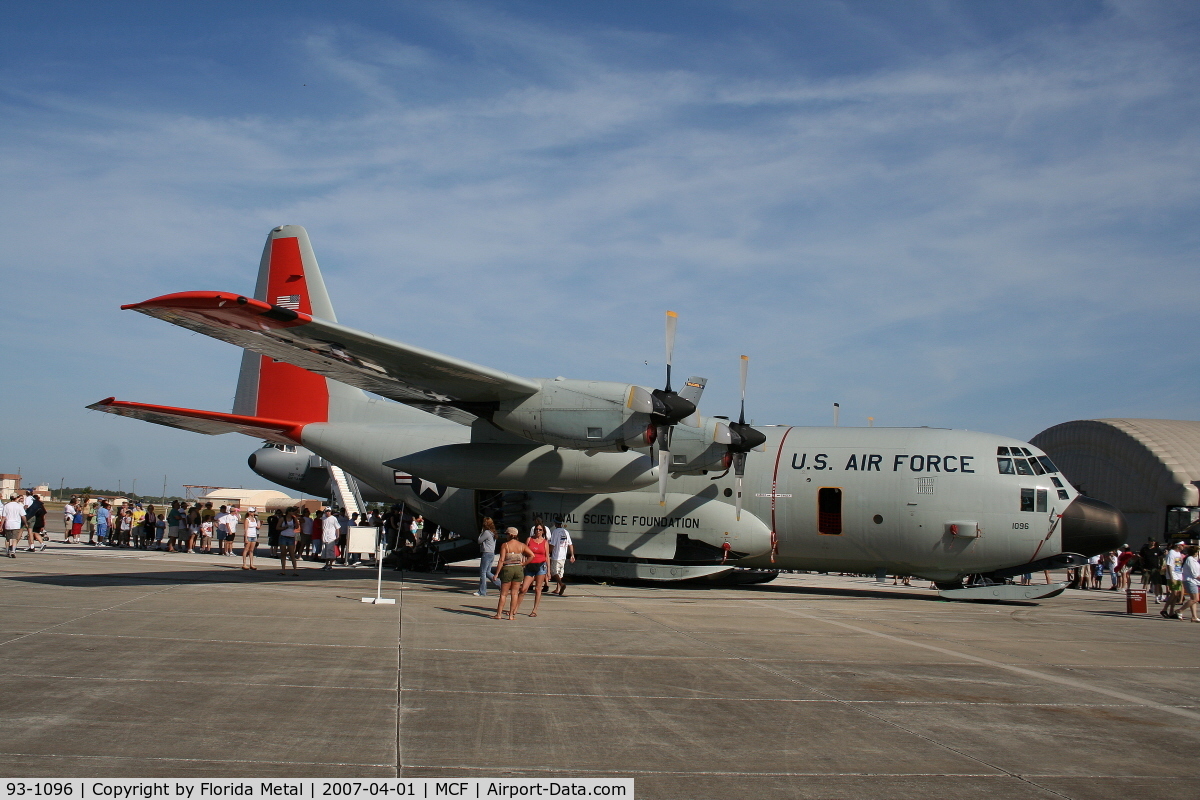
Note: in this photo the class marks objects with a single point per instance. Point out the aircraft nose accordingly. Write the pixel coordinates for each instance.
(1090, 527)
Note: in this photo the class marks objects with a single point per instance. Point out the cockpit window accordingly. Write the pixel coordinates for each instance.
(1023, 467)
(1001, 451)
(1047, 463)
(1006, 466)
(1037, 467)
(1025, 450)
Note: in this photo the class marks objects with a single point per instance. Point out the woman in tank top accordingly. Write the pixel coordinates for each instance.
(535, 567)
(510, 572)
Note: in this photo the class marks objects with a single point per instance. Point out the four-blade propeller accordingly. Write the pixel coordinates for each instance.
(669, 409)
(744, 439)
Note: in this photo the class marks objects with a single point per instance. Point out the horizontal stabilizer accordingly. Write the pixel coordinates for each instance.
(397, 371)
(207, 422)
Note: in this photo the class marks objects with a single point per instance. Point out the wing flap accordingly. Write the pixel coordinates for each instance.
(397, 371)
(210, 423)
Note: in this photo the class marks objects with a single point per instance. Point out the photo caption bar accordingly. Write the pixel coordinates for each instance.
(315, 788)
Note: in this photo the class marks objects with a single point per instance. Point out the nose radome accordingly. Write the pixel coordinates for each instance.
(1090, 527)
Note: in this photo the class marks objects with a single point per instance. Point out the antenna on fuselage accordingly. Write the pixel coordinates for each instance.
(836, 408)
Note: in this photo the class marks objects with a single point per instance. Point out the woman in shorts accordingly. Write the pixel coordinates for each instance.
(536, 573)
(510, 572)
(289, 530)
(251, 539)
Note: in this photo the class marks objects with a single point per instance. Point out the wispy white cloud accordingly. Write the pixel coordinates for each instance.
(961, 238)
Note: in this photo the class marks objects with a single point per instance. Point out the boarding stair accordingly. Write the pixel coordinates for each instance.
(345, 491)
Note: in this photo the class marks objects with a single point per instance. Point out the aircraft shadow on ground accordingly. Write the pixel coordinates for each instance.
(232, 575)
(448, 582)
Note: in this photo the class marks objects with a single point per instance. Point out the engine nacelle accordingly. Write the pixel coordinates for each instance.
(696, 450)
(529, 468)
(582, 415)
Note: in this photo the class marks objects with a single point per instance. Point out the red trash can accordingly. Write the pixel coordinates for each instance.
(1135, 601)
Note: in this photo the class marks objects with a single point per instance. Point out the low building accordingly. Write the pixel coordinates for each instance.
(1148, 468)
(9, 484)
(262, 499)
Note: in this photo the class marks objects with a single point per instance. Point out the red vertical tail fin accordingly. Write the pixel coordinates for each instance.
(288, 276)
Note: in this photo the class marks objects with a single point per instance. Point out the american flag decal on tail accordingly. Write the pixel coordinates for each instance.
(289, 301)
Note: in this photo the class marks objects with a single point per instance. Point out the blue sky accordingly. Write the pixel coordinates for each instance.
(968, 215)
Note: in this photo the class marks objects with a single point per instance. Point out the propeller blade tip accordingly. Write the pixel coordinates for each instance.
(672, 314)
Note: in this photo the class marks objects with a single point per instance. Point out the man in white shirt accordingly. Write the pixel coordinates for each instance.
(330, 530)
(225, 531)
(27, 501)
(562, 549)
(68, 520)
(13, 514)
(1173, 572)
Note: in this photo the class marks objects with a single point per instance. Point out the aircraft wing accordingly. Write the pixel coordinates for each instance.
(397, 371)
(206, 422)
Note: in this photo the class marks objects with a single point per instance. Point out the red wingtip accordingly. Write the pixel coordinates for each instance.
(199, 301)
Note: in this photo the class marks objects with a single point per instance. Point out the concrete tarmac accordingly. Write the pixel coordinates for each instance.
(127, 663)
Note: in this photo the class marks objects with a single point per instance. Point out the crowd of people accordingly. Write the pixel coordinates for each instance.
(291, 534)
(1171, 574)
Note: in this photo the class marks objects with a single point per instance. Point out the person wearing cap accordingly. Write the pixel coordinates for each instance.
(1124, 566)
(251, 542)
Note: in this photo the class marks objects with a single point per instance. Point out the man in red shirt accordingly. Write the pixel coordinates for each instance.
(1123, 567)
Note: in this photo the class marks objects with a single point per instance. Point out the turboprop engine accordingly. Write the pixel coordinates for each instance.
(695, 450)
(504, 467)
(591, 415)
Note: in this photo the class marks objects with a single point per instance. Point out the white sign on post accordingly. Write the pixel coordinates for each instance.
(361, 539)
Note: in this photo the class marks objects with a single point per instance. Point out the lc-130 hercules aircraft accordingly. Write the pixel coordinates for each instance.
(649, 487)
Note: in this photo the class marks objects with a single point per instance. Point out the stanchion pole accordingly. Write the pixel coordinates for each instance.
(378, 599)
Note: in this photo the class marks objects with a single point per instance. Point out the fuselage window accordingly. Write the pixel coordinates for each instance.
(1048, 464)
(1006, 466)
(1062, 495)
(1041, 499)
(1023, 467)
(1027, 499)
(829, 511)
